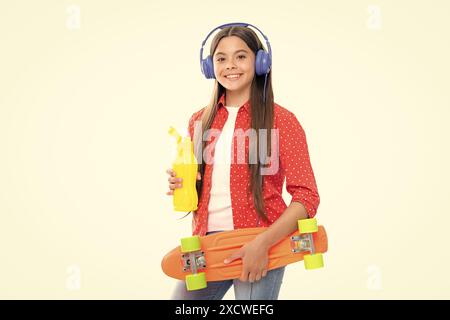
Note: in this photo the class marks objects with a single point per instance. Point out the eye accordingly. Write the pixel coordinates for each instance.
(240, 57)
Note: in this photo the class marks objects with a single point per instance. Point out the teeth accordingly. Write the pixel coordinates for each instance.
(234, 76)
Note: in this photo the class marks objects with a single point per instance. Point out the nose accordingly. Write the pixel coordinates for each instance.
(230, 65)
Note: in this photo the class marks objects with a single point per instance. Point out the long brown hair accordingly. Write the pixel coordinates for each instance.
(261, 113)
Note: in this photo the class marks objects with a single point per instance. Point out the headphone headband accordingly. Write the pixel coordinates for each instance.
(242, 24)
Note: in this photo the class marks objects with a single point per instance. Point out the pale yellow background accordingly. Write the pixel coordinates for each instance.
(84, 114)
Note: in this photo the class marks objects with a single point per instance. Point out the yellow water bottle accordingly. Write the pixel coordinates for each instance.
(185, 166)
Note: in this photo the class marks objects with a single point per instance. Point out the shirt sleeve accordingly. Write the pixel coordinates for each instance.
(295, 161)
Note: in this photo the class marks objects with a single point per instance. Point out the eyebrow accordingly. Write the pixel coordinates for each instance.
(217, 53)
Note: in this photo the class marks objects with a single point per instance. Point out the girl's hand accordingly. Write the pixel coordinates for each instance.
(175, 182)
(255, 259)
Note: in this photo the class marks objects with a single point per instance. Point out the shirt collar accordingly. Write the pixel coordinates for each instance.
(221, 103)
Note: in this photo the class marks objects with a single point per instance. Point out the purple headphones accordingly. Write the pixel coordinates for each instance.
(263, 61)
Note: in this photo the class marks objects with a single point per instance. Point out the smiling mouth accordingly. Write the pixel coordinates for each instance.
(233, 77)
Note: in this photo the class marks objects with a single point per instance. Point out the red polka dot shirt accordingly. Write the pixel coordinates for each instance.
(293, 165)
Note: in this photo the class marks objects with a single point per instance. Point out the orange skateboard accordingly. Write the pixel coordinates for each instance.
(208, 253)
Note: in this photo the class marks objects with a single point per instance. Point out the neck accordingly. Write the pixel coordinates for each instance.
(237, 99)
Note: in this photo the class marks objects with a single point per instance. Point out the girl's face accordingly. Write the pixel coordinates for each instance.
(234, 57)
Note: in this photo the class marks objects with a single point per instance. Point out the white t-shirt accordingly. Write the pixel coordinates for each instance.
(220, 216)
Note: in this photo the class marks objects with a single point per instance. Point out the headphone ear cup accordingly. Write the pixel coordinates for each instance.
(263, 62)
(208, 68)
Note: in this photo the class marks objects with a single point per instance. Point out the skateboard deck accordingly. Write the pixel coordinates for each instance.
(216, 247)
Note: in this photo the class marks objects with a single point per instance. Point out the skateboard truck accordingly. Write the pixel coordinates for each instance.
(193, 259)
(198, 258)
(304, 242)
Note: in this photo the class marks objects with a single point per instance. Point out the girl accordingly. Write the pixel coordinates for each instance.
(238, 195)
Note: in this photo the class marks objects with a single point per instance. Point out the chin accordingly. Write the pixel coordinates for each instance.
(235, 87)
